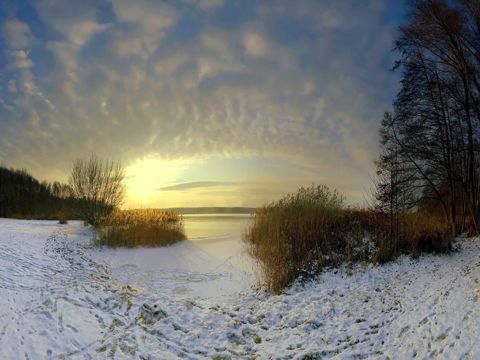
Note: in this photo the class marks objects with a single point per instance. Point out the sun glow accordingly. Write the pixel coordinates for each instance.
(145, 176)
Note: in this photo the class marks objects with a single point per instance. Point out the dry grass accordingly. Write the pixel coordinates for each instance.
(302, 233)
(141, 228)
(409, 233)
(296, 235)
(423, 232)
(62, 218)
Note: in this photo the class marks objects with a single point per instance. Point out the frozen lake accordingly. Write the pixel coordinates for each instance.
(211, 262)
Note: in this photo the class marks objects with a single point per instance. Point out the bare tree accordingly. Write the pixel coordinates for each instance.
(98, 187)
(434, 130)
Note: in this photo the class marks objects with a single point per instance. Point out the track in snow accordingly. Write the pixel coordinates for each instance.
(59, 301)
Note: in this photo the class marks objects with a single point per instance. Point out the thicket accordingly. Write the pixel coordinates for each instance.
(305, 232)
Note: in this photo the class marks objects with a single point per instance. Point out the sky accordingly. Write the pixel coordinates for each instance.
(205, 102)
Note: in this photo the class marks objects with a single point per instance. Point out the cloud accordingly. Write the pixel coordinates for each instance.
(209, 4)
(16, 34)
(19, 59)
(255, 44)
(12, 86)
(305, 83)
(17, 37)
(195, 185)
(79, 32)
(149, 19)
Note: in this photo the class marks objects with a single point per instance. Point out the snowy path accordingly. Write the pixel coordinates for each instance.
(59, 301)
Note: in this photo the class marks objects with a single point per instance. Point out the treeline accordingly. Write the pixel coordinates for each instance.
(431, 140)
(95, 189)
(23, 196)
(211, 210)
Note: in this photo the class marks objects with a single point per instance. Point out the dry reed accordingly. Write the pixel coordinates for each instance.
(305, 232)
(141, 228)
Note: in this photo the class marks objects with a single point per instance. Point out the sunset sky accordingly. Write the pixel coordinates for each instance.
(206, 102)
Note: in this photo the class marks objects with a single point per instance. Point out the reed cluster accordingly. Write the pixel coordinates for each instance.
(140, 228)
(305, 232)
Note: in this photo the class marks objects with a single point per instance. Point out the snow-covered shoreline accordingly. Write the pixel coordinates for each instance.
(59, 300)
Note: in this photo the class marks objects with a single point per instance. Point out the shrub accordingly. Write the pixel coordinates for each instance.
(300, 234)
(97, 186)
(140, 228)
(312, 229)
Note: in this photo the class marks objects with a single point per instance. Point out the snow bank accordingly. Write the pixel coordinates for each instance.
(61, 298)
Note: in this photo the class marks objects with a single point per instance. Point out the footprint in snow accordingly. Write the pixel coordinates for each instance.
(151, 314)
(127, 267)
(180, 290)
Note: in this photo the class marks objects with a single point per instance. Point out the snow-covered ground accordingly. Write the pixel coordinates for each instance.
(60, 298)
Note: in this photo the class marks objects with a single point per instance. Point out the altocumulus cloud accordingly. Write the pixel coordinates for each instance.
(303, 81)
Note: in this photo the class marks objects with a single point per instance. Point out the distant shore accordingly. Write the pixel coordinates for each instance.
(212, 210)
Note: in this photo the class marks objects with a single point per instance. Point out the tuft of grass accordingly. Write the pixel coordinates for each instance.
(305, 232)
(62, 218)
(140, 228)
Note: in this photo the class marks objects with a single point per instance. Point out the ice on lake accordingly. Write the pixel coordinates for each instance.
(212, 261)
